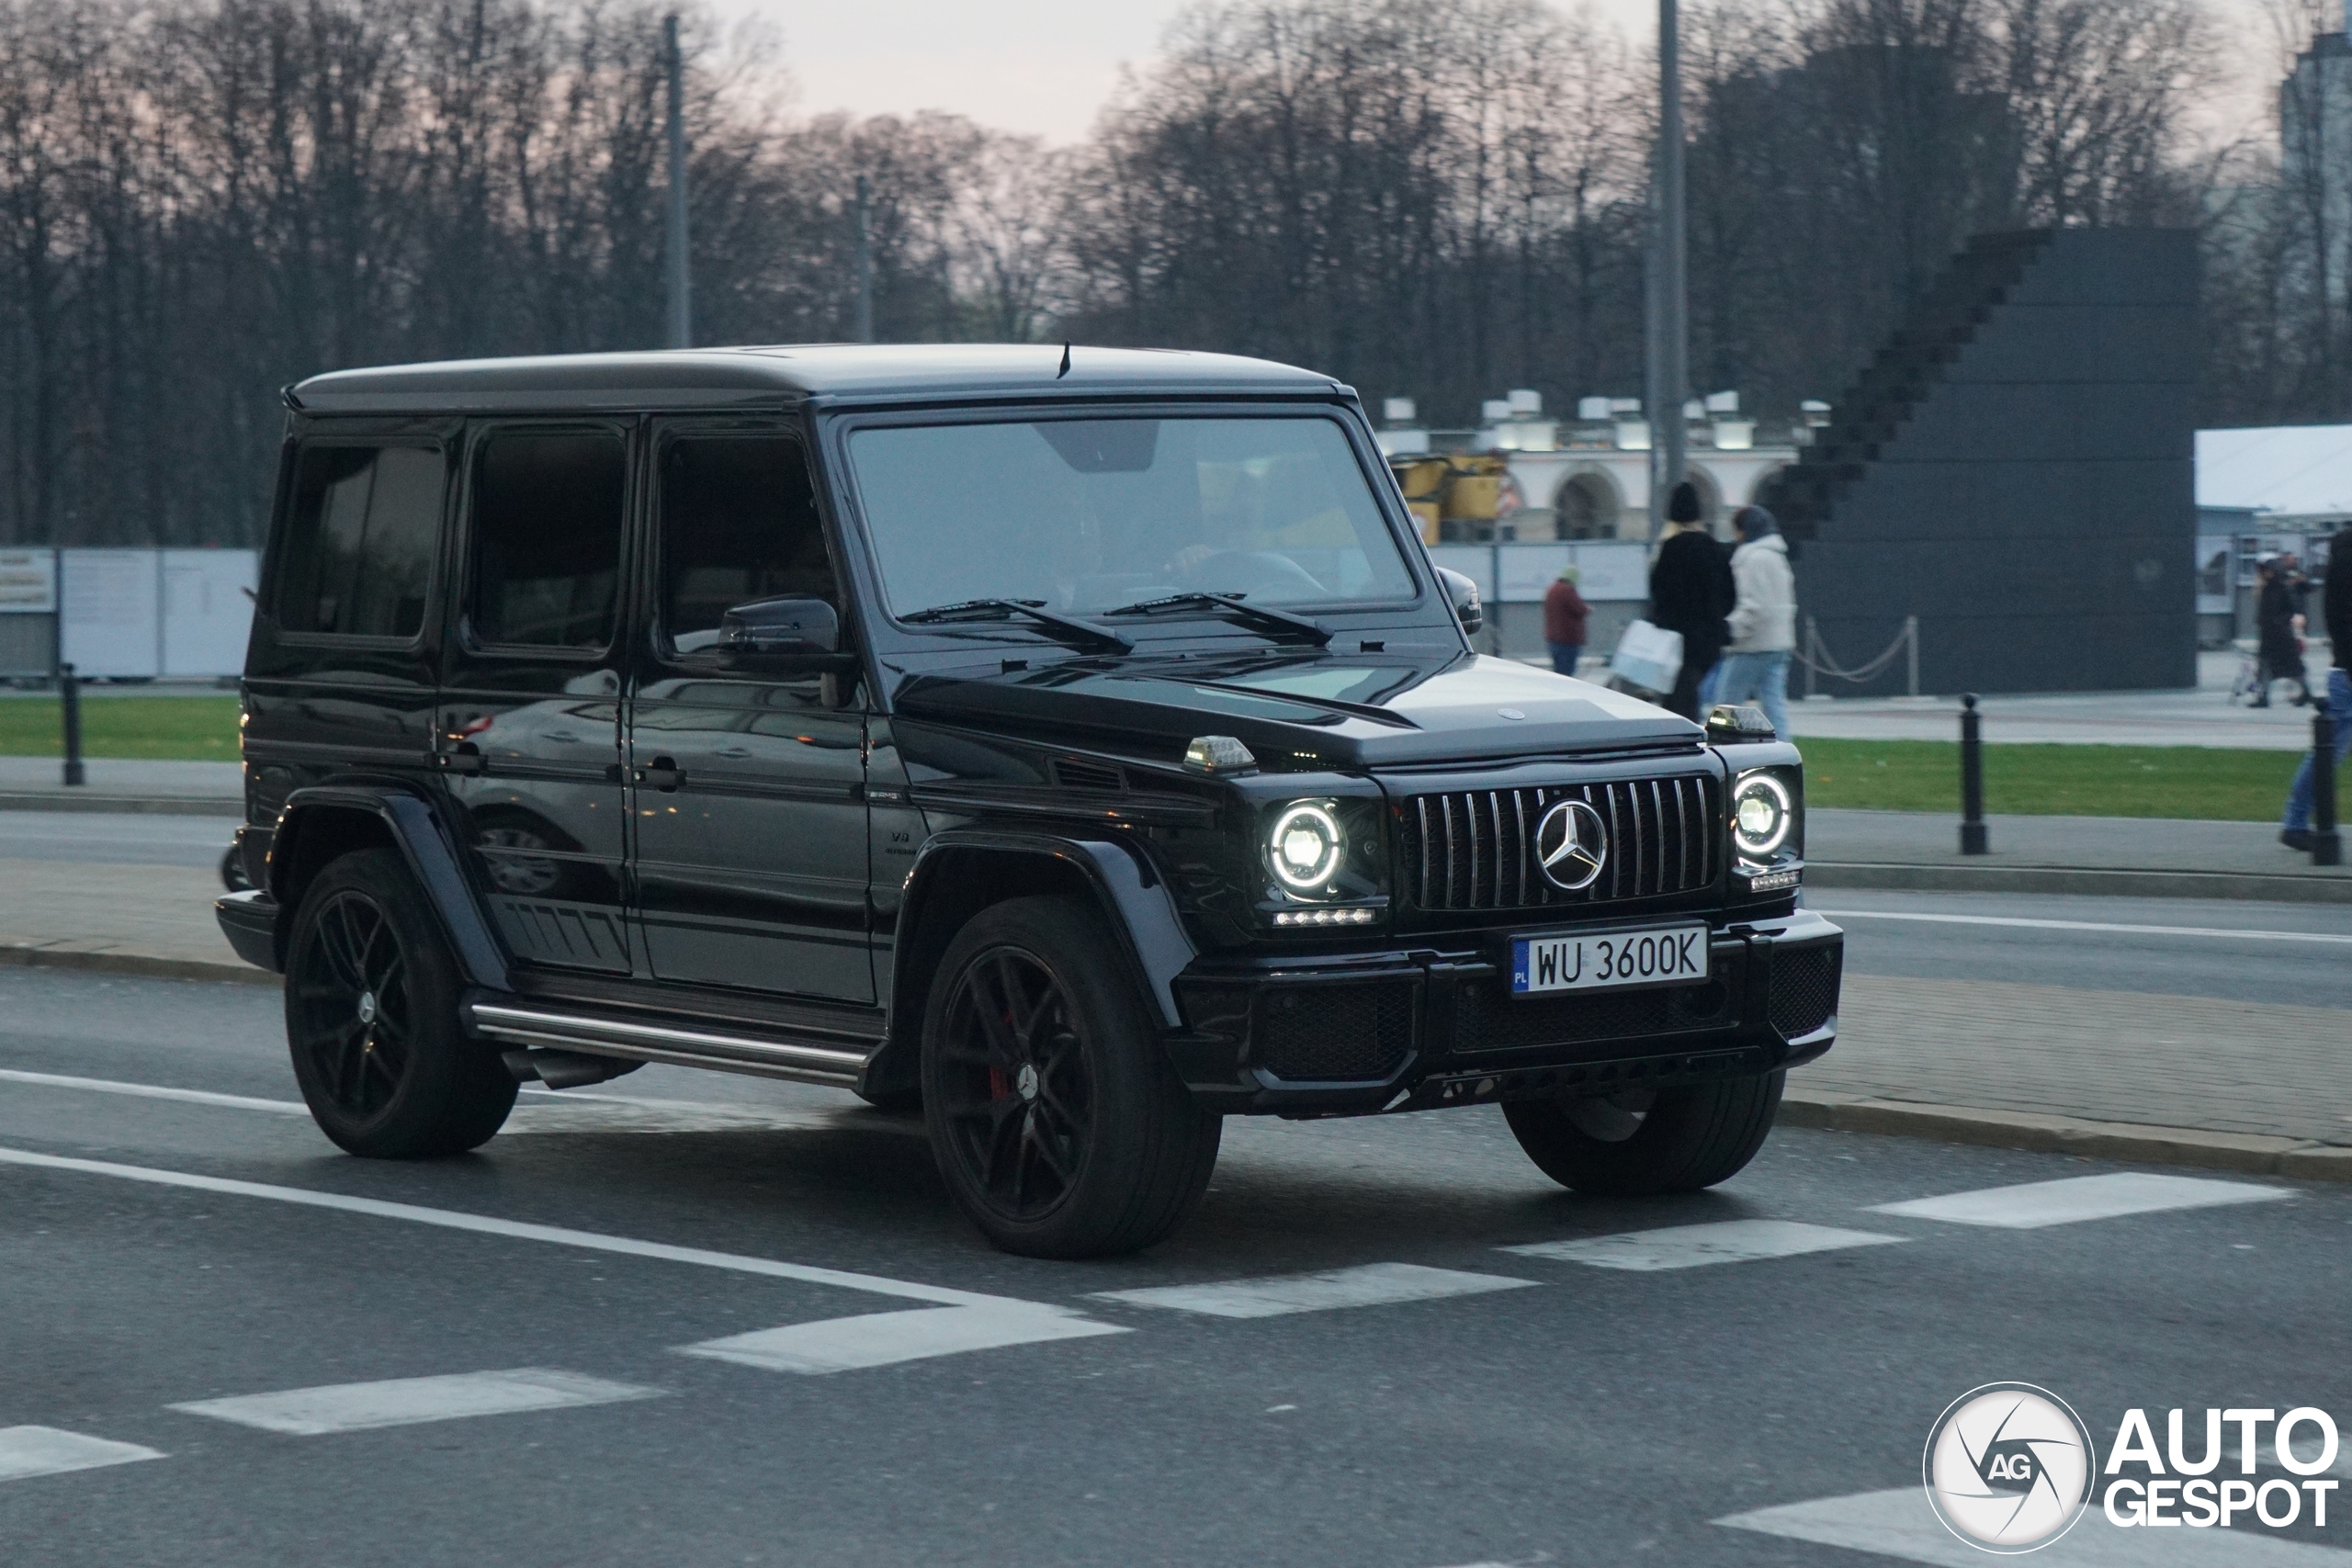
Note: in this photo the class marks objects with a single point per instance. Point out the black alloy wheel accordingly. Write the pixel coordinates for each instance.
(1018, 1102)
(371, 1018)
(1057, 1120)
(348, 1005)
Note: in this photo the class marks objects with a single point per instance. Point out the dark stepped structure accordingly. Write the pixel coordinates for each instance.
(2016, 467)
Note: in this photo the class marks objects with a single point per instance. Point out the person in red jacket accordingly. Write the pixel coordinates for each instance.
(1565, 613)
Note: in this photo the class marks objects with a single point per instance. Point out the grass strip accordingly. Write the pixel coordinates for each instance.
(201, 729)
(2188, 782)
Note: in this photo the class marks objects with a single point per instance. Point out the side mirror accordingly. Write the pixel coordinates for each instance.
(1463, 593)
(773, 626)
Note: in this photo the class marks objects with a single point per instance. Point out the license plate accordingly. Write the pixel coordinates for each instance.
(1609, 961)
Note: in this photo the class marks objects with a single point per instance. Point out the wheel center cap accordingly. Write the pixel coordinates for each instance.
(1027, 1082)
(366, 1007)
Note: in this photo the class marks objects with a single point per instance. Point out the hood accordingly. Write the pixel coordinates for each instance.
(1768, 542)
(1358, 711)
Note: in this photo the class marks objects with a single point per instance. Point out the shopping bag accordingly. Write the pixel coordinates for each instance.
(1647, 656)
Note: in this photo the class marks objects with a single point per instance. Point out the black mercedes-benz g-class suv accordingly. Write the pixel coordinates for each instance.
(1077, 743)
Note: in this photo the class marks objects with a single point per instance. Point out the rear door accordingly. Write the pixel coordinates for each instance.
(529, 732)
(750, 851)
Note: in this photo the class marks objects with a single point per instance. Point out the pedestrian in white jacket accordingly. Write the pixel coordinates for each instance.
(1763, 621)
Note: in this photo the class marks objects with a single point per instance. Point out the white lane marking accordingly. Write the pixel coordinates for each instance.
(884, 1338)
(1689, 1246)
(27, 1451)
(1898, 1523)
(2028, 923)
(520, 1230)
(2062, 1202)
(1374, 1284)
(156, 1091)
(540, 1110)
(412, 1402)
(564, 1112)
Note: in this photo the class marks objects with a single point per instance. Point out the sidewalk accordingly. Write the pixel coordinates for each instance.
(116, 785)
(2202, 717)
(2128, 856)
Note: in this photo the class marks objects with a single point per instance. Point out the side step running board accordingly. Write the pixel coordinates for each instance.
(652, 1042)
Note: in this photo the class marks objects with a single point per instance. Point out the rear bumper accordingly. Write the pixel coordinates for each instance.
(1415, 1029)
(250, 922)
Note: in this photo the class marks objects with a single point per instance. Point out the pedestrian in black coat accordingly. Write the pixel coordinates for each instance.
(2281, 646)
(1690, 593)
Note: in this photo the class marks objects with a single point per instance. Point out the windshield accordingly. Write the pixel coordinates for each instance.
(1100, 514)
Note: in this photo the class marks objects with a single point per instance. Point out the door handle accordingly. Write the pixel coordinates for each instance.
(459, 757)
(664, 774)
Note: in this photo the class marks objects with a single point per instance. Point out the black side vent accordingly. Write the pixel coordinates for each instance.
(1076, 773)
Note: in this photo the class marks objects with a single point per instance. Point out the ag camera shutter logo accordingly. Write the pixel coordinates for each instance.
(2009, 1467)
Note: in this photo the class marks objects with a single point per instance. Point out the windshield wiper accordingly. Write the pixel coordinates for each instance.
(1071, 628)
(1259, 615)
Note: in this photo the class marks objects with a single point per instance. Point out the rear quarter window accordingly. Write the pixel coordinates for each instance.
(356, 556)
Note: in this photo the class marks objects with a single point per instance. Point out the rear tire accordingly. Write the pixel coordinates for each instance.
(371, 1018)
(1057, 1120)
(1636, 1145)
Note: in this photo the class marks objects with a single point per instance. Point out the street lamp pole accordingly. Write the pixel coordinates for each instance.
(1669, 359)
(682, 334)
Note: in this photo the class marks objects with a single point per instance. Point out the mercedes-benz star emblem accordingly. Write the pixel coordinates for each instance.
(1572, 845)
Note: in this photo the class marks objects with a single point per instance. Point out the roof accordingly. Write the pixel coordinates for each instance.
(2291, 471)
(730, 377)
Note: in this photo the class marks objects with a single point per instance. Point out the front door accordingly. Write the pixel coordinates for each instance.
(529, 722)
(750, 851)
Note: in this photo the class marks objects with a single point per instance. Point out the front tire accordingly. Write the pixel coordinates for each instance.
(371, 1018)
(1057, 1121)
(1644, 1142)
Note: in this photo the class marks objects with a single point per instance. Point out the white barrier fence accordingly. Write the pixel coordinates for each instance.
(136, 613)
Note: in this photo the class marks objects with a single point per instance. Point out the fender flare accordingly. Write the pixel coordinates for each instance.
(1128, 887)
(418, 832)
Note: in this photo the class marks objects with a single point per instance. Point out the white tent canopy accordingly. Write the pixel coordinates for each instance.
(2290, 470)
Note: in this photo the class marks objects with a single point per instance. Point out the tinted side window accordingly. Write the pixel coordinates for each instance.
(547, 538)
(356, 556)
(739, 523)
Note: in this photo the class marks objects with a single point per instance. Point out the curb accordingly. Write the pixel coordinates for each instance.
(2246, 1154)
(2259, 886)
(143, 805)
(27, 955)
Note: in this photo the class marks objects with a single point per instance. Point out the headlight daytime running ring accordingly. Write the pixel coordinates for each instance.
(1762, 815)
(1306, 848)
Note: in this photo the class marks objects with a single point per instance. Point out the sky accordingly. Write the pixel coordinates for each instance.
(1040, 67)
(1044, 67)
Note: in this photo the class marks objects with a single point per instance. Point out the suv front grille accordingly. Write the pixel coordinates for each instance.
(1475, 850)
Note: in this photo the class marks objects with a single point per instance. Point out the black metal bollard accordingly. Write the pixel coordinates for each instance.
(2326, 848)
(69, 704)
(1971, 779)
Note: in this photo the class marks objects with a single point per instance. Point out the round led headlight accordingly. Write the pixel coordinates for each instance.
(1762, 815)
(1305, 848)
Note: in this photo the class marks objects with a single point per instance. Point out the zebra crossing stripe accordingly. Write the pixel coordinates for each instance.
(27, 1451)
(1693, 1247)
(884, 1338)
(1374, 1284)
(409, 1402)
(2076, 1198)
(1899, 1524)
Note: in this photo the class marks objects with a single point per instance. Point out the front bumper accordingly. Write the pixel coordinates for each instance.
(1414, 1029)
(250, 922)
